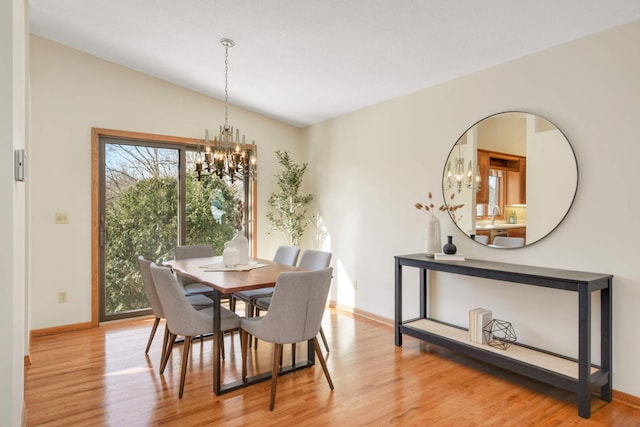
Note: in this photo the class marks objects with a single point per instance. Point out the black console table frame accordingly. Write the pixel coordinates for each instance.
(589, 377)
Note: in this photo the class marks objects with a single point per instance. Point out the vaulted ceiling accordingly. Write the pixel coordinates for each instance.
(305, 61)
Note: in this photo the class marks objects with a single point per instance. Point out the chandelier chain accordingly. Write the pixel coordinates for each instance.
(226, 86)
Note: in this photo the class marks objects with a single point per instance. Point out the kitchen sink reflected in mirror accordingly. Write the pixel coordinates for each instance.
(516, 174)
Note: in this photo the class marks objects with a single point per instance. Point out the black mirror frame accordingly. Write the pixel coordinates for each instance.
(566, 213)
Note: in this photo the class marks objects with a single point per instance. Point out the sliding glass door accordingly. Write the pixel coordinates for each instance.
(150, 201)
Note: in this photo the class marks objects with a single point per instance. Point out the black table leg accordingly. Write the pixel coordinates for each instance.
(217, 336)
(606, 333)
(584, 352)
(398, 303)
(423, 292)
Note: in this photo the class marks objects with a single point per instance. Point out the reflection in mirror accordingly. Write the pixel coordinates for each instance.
(517, 176)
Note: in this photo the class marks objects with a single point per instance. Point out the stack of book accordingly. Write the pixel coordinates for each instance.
(478, 319)
(449, 257)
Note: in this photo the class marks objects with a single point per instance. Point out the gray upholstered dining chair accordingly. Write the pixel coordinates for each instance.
(183, 319)
(508, 242)
(191, 286)
(287, 255)
(482, 239)
(193, 251)
(310, 259)
(199, 302)
(295, 314)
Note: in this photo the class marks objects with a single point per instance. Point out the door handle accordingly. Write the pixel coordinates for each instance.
(103, 235)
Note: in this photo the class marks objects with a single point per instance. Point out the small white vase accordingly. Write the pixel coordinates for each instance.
(434, 242)
(230, 255)
(242, 243)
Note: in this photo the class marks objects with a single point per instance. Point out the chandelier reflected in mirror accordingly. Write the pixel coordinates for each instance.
(226, 154)
(458, 177)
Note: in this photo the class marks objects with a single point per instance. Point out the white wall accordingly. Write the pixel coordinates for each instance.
(72, 92)
(504, 134)
(371, 166)
(13, 131)
(548, 157)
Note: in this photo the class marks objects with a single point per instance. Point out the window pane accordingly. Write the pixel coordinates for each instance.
(141, 213)
(214, 207)
(494, 184)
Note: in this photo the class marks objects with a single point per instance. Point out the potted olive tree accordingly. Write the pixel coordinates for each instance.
(289, 209)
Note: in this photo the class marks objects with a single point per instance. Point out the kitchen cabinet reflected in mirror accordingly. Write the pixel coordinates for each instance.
(517, 176)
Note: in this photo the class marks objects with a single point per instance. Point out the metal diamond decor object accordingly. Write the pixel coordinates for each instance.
(499, 334)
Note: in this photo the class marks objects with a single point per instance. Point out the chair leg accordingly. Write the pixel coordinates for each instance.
(324, 339)
(293, 354)
(165, 340)
(277, 352)
(250, 311)
(185, 357)
(244, 343)
(316, 346)
(153, 333)
(163, 364)
(256, 313)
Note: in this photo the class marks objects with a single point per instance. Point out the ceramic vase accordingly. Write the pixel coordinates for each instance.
(434, 241)
(449, 248)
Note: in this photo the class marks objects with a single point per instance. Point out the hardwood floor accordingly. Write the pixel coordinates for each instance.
(101, 377)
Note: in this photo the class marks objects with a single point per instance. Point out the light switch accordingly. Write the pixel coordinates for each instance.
(62, 218)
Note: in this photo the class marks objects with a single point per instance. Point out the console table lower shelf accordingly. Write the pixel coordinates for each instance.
(564, 371)
(579, 376)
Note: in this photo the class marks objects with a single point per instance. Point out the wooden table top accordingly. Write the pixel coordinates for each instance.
(228, 282)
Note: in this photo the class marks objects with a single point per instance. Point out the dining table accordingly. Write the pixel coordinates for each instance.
(258, 274)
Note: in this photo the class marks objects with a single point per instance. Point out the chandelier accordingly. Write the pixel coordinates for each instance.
(227, 154)
(458, 177)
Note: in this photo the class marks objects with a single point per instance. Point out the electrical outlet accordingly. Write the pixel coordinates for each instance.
(62, 218)
(62, 297)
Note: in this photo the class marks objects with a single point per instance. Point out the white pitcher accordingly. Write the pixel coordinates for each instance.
(230, 255)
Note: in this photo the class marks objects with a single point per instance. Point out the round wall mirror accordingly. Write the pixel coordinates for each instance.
(517, 176)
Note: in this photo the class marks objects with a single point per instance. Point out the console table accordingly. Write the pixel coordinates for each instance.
(579, 376)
